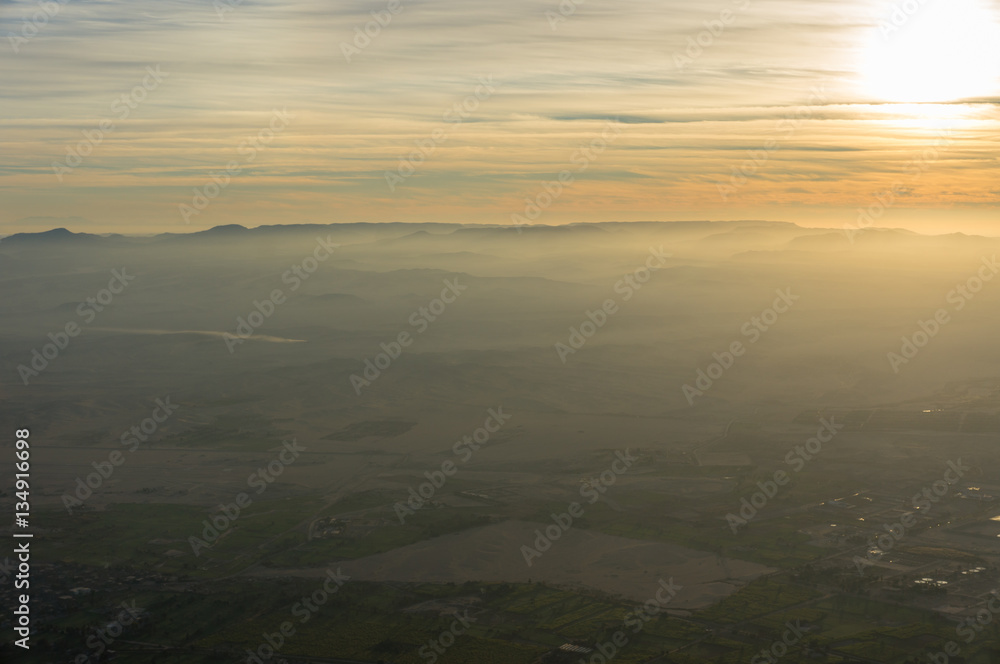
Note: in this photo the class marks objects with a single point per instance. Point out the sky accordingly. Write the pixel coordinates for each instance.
(143, 117)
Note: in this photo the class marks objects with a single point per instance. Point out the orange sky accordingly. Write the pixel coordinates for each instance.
(128, 121)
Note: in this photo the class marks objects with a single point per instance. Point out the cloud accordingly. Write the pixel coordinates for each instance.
(207, 333)
(356, 120)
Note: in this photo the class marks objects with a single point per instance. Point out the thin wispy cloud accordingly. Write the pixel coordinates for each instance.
(687, 100)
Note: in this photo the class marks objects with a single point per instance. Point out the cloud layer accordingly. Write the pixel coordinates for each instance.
(700, 90)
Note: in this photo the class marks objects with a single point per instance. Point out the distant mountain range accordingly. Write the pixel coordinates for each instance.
(711, 237)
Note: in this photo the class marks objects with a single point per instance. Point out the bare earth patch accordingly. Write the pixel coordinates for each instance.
(617, 565)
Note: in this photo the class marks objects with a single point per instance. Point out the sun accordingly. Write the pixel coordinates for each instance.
(933, 51)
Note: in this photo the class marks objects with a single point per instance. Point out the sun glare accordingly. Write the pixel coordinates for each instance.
(933, 51)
